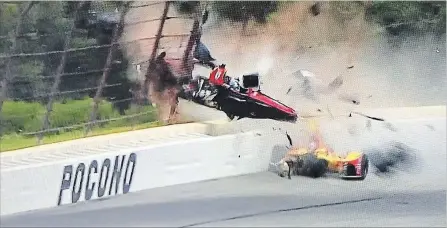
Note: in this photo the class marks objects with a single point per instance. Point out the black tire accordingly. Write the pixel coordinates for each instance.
(230, 116)
(323, 166)
(310, 166)
(365, 166)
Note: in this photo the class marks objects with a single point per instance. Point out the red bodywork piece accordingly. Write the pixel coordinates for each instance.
(357, 163)
(217, 76)
(258, 96)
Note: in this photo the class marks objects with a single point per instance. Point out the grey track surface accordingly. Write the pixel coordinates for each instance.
(259, 200)
(416, 198)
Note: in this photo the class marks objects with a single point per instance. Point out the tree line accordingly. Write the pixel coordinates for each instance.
(400, 18)
(46, 24)
(43, 31)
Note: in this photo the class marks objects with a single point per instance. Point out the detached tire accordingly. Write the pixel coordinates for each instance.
(311, 166)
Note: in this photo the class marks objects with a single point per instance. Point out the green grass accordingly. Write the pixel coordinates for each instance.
(19, 116)
(15, 142)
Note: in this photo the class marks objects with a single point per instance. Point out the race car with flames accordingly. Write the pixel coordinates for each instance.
(246, 100)
(317, 160)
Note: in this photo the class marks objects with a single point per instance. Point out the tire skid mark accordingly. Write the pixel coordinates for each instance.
(282, 210)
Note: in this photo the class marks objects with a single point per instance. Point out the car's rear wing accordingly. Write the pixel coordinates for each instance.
(250, 81)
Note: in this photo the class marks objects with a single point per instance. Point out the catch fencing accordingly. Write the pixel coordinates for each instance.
(68, 81)
(76, 69)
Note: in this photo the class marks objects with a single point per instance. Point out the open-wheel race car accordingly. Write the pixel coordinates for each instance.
(317, 160)
(237, 97)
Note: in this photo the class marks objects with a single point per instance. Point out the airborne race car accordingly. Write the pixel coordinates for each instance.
(247, 101)
(318, 159)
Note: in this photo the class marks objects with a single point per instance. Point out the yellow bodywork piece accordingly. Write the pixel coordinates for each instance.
(335, 162)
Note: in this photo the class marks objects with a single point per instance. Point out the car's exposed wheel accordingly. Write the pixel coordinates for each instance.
(230, 116)
(309, 165)
(365, 166)
(323, 166)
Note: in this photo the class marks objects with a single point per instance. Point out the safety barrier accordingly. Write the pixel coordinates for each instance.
(83, 178)
(190, 154)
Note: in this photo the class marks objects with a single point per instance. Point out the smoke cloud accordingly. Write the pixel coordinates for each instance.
(376, 70)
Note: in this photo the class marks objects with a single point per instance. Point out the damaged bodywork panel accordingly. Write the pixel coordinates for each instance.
(317, 159)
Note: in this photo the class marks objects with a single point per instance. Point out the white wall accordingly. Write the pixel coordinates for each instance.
(44, 186)
(38, 186)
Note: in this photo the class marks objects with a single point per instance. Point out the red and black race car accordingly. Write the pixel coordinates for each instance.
(237, 97)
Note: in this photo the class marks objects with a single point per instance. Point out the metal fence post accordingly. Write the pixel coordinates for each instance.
(57, 80)
(195, 34)
(145, 87)
(107, 67)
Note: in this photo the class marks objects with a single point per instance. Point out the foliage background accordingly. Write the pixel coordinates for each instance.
(44, 30)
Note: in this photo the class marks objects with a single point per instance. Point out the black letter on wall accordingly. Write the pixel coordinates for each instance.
(102, 185)
(89, 190)
(116, 175)
(128, 182)
(76, 192)
(68, 170)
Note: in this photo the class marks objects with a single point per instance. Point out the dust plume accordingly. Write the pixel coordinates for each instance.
(138, 52)
(337, 42)
(374, 70)
(142, 27)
